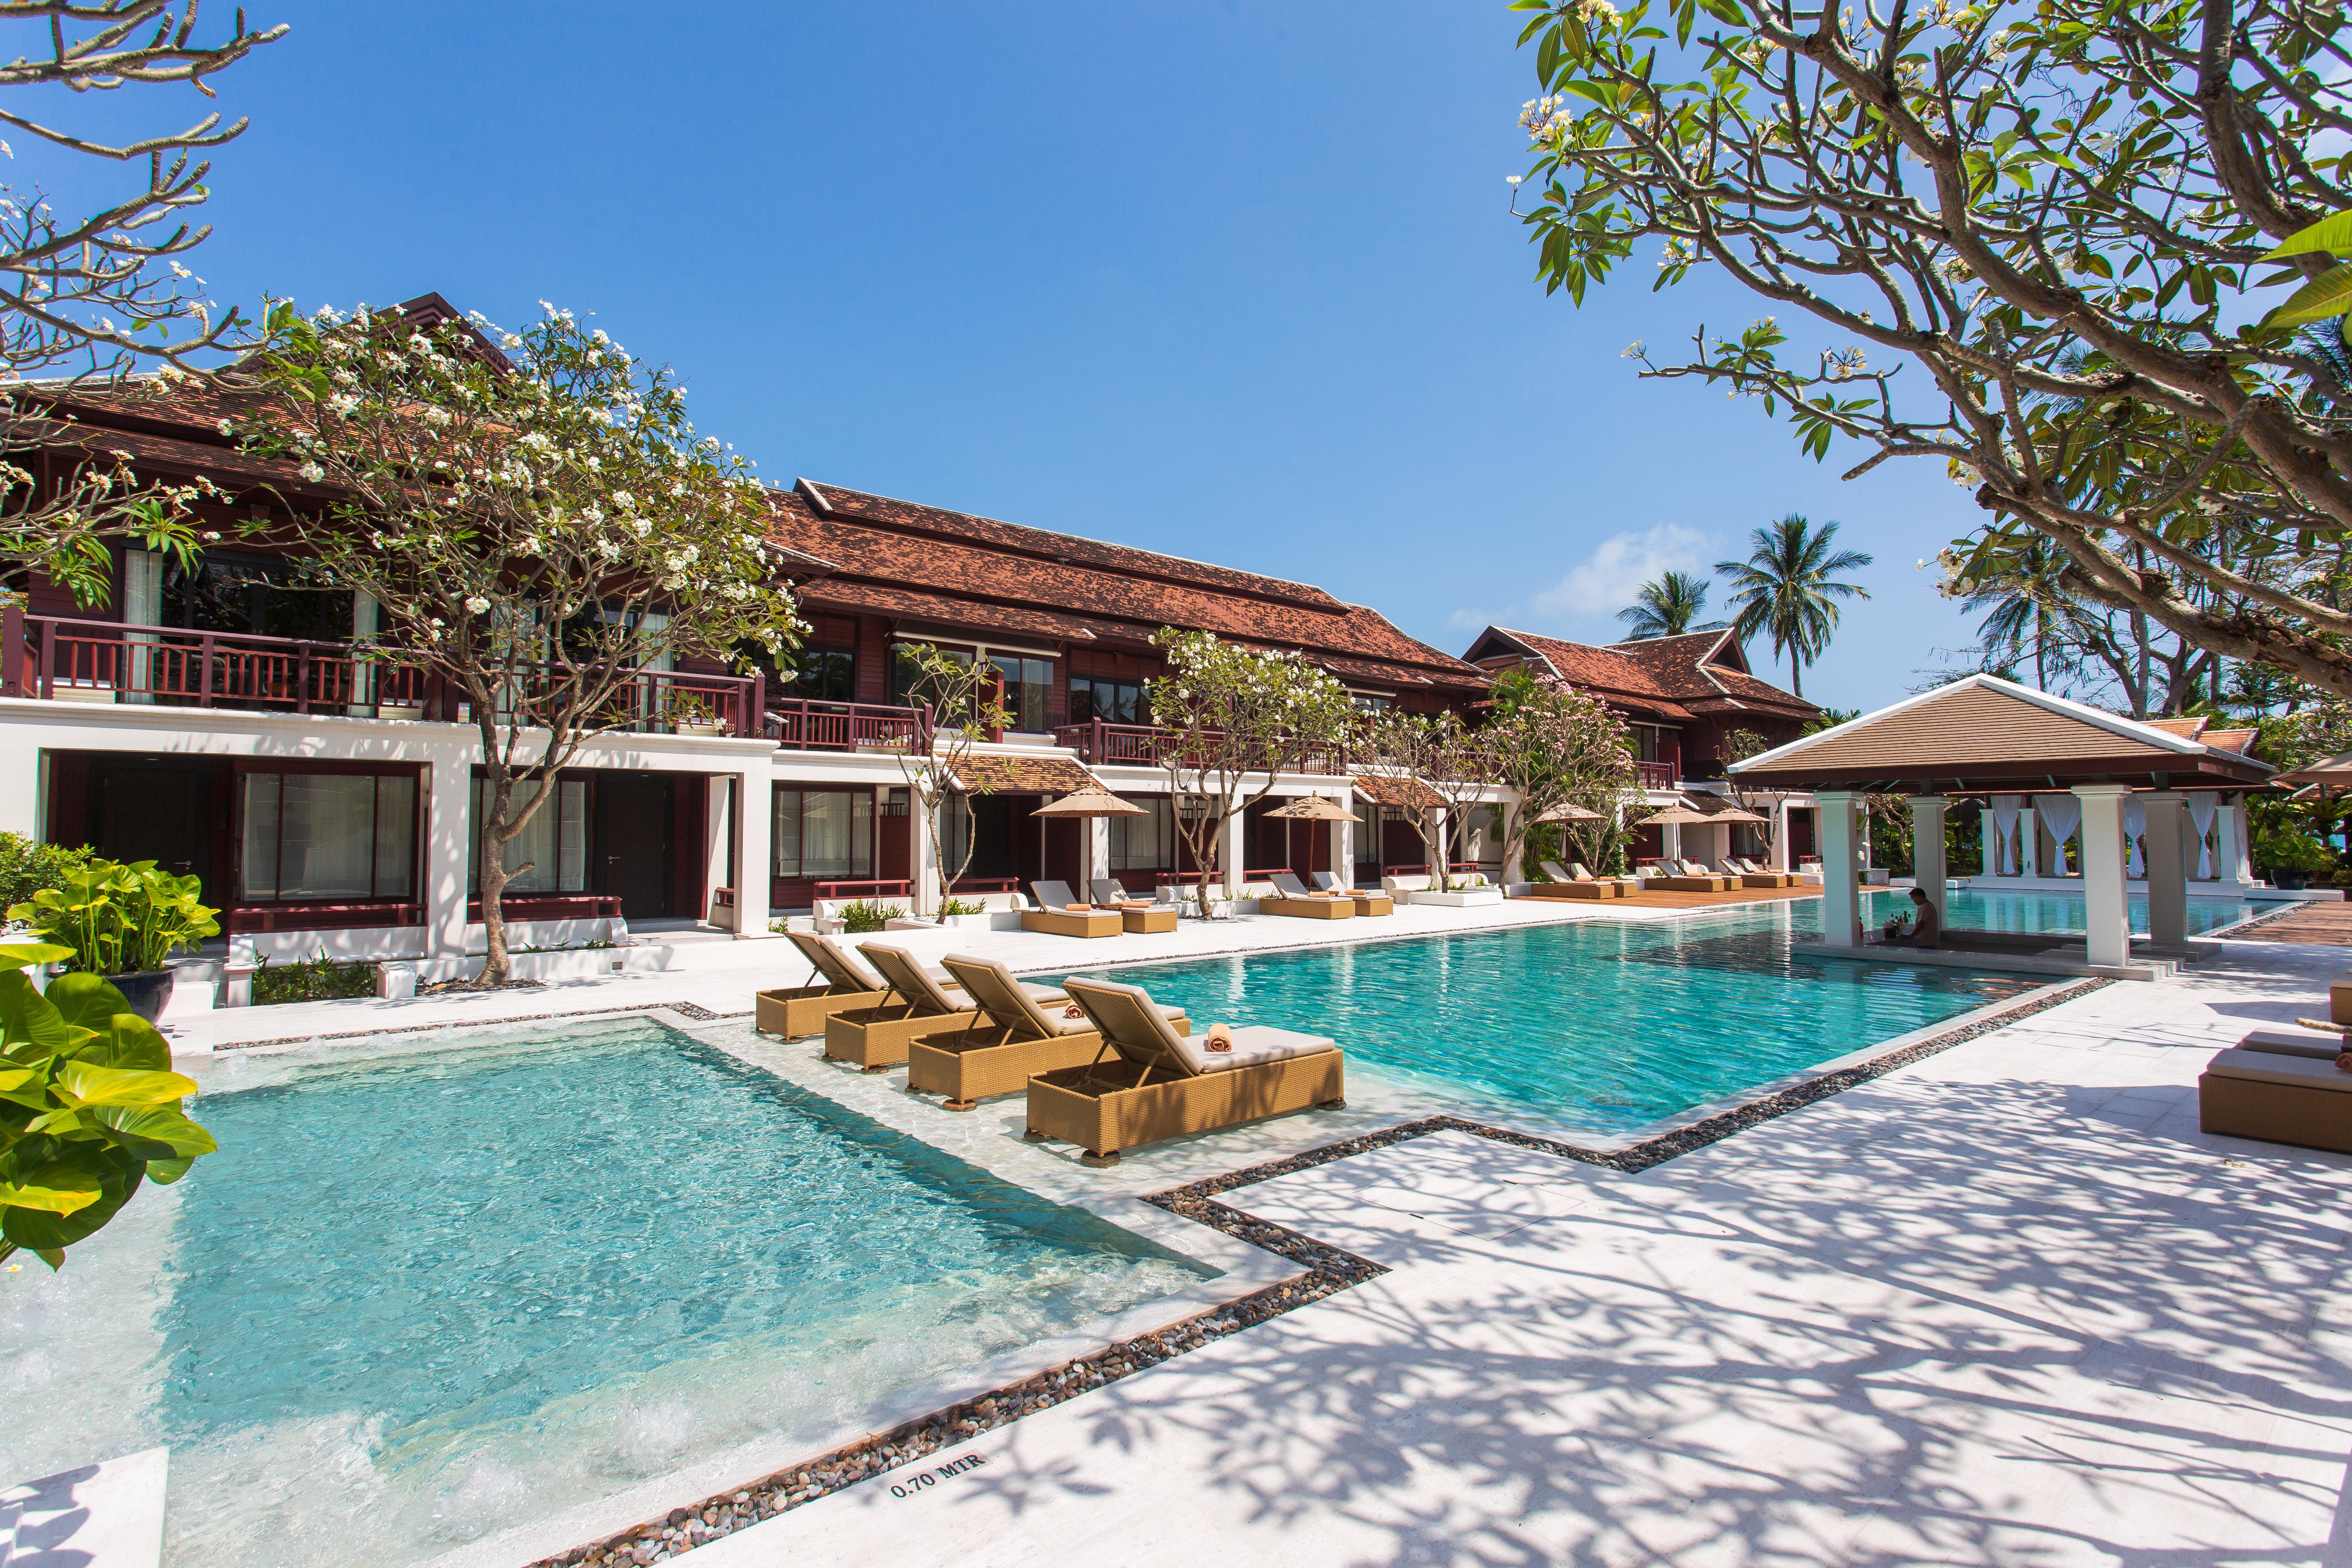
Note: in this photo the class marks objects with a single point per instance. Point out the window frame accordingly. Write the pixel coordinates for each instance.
(869, 851)
(250, 768)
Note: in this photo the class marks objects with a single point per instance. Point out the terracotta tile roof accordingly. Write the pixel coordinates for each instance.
(992, 774)
(1677, 679)
(923, 563)
(2235, 740)
(2187, 729)
(1399, 790)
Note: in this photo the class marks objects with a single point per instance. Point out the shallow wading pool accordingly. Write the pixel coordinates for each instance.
(425, 1294)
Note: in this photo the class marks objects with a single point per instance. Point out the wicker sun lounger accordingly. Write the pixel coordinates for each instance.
(1061, 912)
(2271, 1096)
(1565, 886)
(1751, 875)
(1373, 903)
(876, 1037)
(1690, 876)
(1018, 1039)
(1300, 902)
(1134, 914)
(1161, 1084)
(798, 1010)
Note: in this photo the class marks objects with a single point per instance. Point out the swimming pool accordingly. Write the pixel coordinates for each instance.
(1982, 909)
(1603, 1025)
(420, 1295)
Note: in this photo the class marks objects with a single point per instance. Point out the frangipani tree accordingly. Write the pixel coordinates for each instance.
(1236, 718)
(2036, 243)
(542, 532)
(963, 701)
(1455, 768)
(1553, 745)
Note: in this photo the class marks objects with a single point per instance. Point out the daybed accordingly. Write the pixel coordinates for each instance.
(797, 1010)
(1365, 903)
(1019, 1039)
(1751, 875)
(2280, 1089)
(1161, 1084)
(1690, 876)
(1134, 914)
(1061, 912)
(876, 1037)
(1300, 902)
(1565, 886)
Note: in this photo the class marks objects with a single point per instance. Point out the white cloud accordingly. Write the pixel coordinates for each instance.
(1605, 582)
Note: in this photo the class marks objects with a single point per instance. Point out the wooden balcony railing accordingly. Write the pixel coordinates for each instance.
(1143, 746)
(59, 657)
(1656, 775)
(800, 725)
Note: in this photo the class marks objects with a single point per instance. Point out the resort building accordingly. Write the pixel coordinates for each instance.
(1687, 698)
(219, 721)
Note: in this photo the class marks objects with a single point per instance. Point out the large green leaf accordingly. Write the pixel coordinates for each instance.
(2323, 299)
(119, 1177)
(18, 954)
(29, 1019)
(123, 1086)
(86, 999)
(2329, 235)
(161, 1131)
(50, 1199)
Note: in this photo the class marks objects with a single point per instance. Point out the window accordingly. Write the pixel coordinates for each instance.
(955, 832)
(825, 833)
(906, 679)
(1027, 682)
(826, 674)
(328, 836)
(555, 843)
(255, 595)
(1372, 702)
(1112, 702)
(1145, 843)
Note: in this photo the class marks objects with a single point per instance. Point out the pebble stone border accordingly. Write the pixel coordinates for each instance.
(1329, 1270)
(693, 1012)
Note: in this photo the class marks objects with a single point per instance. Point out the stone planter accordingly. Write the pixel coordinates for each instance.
(399, 711)
(698, 728)
(148, 991)
(1460, 898)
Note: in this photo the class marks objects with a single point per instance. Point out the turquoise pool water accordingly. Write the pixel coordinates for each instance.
(419, 1297)
(1605, 1025)
(2059, 913)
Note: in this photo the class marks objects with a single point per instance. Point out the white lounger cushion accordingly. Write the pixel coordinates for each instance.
(2294, 1043)
(1254, 1046)
(2296, 1072)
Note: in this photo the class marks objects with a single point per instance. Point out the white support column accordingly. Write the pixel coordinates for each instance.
(1927, 813)
(2230, 860)
(718, 839)
(2107, 914)
(1988, 843)
(1093, 852)
(1671, 838)
(2167, 871)
(1514, 866)
(1840, 903)
(448, 832)
(1782, 858)
(922, 861)
(2029, 842)
(1233, 838)
(1444, 843)
(754, 820)
(21, 776)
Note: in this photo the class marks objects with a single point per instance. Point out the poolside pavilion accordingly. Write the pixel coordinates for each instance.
(1984, 736)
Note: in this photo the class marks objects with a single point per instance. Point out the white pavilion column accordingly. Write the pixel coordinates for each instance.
(1781, 860)
(2230, 862)
(2029, 841)
(1093, 852)
(755, 817)
(449, 849)
(2168, 874)
(1840, 903)
(1927, 813)
(1232, 839)
(1343, 846)
(2107, 914)
(922, 865)
(1988, 848)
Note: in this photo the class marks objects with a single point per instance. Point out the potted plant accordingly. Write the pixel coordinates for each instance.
(123, 922)
(2294, 858)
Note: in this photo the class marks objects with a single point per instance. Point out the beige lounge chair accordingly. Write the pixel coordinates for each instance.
(1299, 902)
(1161, 1084)
(798, 1010)
(1019, 1039)
(1690, 876)
(1061, 912)
(1365, 903)
(1563, 885)
(1751, 875)
(1134, 914)
(2272, 1096)
(876, 1037)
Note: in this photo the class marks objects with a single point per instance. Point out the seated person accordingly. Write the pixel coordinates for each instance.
(1922, 929)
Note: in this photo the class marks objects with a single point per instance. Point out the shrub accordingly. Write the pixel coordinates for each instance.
(27, 867)
(2297, 852)
(865, 915)
(117, 918)
(319, 979)
(963, 907)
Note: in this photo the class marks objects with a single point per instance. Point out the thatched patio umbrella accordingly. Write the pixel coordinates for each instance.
(1314, 808)
(1090, 803)
(1567, 811)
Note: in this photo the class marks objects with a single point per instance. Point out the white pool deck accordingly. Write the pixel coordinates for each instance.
(2006, 1306)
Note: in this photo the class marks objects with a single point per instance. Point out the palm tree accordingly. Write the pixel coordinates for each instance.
(2029, 609)
(1668, 607)
(1784, 591)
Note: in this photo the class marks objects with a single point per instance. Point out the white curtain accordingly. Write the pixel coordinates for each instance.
(2201, 811)
(2005, 808)
(2135, 829)
(2062, 814)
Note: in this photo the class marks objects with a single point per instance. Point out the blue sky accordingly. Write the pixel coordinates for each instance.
(1234, 281)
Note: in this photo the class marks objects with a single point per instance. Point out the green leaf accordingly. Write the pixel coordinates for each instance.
(48, 1199)
(123, 1086)
(27, 1018)
(2323, 299)
(2331, 236)
(21, 953)
(180, 1140)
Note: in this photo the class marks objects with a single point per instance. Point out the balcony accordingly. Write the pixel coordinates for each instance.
(803, 726)
(1142, 746)
(1656, 775)
(59, 658)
